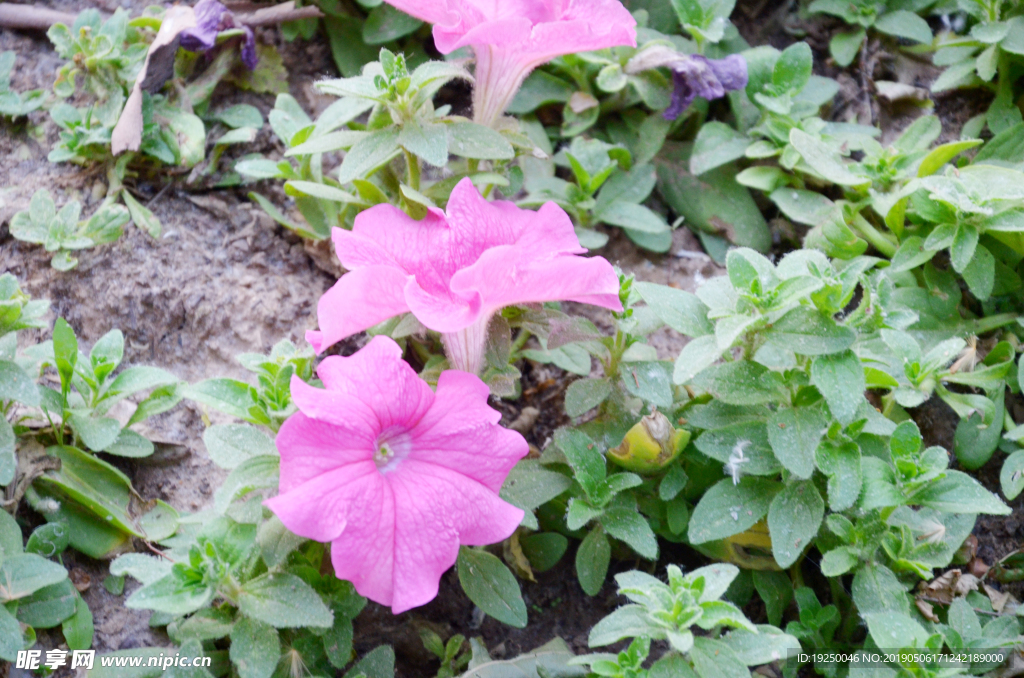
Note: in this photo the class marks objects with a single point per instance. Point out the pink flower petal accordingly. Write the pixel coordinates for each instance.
(510, 276)
(377, 376)
(435, 510)
(310, 447)
(360, 299)
(442, 310)
(320, 508)
(388, 236)
(460, 426)
(345, 411)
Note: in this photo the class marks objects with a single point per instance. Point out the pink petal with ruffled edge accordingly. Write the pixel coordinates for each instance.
(395, 524)
(387, 385)
(359, 300)
(460, 425)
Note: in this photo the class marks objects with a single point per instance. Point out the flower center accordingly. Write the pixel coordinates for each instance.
(383, 455)
(392, 449)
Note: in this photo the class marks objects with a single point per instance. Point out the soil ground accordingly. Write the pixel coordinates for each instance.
(225, 279)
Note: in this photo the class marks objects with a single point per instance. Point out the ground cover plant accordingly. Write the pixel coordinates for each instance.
(472, 435)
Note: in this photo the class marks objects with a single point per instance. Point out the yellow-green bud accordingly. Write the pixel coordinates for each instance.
(650, 446)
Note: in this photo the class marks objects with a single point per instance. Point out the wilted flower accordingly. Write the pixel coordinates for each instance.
(212, 18)
(693, 75)
(394, 475)
(512, 37)
(454, 270)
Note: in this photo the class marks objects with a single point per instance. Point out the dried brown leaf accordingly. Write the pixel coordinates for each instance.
(127, 134)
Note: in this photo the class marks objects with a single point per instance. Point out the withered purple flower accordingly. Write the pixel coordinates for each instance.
(212, 18)
(697, 76)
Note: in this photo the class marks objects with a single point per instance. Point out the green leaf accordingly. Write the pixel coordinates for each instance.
(528, 485)
(1011, 476)
(97, 433)
(48, 606)
(140, 378)
(16, 385)
(792, 71)
(65, 350)
(824, 160)
(717, 144)
(845, 46)
(583, 456)
(283, 601)
(11, 638)
(549, 660)
(727, 509)
(540, 88)
(891, 629)
(226, 395)
(807, 331)
(628, 621)
(904, 24)
(10, 536)
(23, 574)
(255, 648)
(592, 559)
(490, 585)
(794, 517)
(170, 596)
(228, 445)
(629, 526)
(840, 379)
(794, 434)
(980, 273)
(252, 474)
(145, 568)
(544, 549)
(713, 203)
(776, 591)
(429, 142)
(130, 444)
(648, 380)
(876, 589)
(78, 628)
(680, 310)
(741, 382)
(48, 540)
(470, 140)
(940, 155)
(958, 492)
(977, 437)
(378, 663)
(369, 153)
(585, 394)
(636, 218)
(386, 23)
(802, 206)
(714, 659)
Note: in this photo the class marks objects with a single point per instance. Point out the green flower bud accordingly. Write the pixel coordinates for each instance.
(650, 446)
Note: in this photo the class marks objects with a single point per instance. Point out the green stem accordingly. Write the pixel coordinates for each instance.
(413, 166)
(983, 325)
(521, 339)
(874, 236)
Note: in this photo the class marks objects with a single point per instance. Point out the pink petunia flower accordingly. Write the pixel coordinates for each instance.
(455, 270)
(512, 37)
(394, 475)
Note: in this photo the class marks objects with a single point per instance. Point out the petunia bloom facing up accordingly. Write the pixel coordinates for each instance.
(512, 37)
(212, 18)
(454, 270)
(394, 475)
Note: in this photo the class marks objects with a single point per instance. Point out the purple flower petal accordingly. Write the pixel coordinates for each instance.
(698, 76)
(208, 23)
(249, 57)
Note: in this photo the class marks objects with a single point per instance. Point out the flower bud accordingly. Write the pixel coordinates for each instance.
(651, 445)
